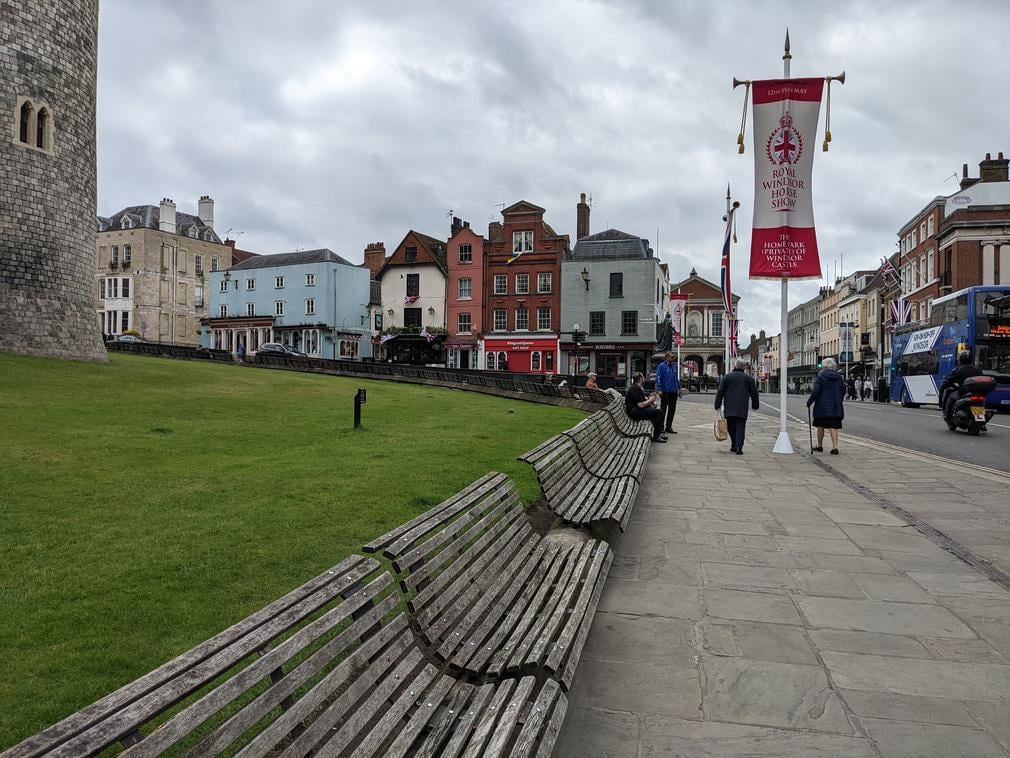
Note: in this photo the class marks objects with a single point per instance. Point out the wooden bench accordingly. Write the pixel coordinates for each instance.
(580, 496)
(328, 669)
(491, 596)
(605, 451)
(624, 424)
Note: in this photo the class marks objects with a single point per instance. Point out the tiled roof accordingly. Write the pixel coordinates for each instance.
(148, 217)
(611, 244)
(321, 255)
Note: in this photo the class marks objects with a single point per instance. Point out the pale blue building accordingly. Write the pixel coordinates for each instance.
(312, 300)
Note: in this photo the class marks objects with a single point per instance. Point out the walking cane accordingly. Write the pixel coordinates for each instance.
(810, 429)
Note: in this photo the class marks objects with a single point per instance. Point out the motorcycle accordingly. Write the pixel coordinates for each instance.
(968, 411)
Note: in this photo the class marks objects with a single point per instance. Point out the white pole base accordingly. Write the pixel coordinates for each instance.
(783, 444)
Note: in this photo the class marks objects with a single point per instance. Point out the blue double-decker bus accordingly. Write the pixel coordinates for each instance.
(976, 319)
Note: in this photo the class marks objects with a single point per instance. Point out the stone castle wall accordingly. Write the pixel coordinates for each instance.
(48, 56)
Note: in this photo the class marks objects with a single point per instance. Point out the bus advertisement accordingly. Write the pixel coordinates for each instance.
(923, 356)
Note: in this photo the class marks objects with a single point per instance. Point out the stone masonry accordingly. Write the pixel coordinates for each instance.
(48, 57)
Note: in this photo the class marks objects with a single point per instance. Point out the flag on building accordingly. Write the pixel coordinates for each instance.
(888, 271)
(426, 334)
(901, 312)
(409, 299)
(724, 282)
(783, 241)
(733, 351)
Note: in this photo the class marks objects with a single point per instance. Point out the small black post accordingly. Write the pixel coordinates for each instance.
(359, 398)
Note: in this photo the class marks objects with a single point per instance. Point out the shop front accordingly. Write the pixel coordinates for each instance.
(617, 361)
(533, 355)
(460, 354)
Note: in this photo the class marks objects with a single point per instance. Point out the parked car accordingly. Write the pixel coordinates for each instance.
(125, 338)
(276, 348)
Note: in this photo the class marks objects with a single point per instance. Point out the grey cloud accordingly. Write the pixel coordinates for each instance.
(336, 124)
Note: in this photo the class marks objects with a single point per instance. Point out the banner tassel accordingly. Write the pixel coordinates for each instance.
(827, 119)
(743, 118)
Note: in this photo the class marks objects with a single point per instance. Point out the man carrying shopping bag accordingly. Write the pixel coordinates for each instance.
(736, 388)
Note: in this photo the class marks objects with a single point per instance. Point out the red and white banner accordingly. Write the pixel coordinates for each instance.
(678, 304)
(783, 242)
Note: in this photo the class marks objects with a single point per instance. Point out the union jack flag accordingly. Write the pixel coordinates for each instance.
(732, 338)
(901, 312)
(887, 269)
(727, 290)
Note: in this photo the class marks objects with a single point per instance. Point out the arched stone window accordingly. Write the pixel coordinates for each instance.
(25, 122)
(41, 129)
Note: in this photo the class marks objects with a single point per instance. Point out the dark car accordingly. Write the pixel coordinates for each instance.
(276, 348)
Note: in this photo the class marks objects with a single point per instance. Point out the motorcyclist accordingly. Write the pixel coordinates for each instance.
(966, 369)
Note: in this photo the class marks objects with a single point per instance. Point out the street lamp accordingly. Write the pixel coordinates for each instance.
(586, 279)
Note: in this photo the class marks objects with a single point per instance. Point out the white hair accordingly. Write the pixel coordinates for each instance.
(829, 363)
(740, 363)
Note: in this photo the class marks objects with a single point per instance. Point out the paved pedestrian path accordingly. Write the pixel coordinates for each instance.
(759, 606)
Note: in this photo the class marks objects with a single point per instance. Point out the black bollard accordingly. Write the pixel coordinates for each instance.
(359, 398)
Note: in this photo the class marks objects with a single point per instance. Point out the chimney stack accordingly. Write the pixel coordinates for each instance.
(493, 229)
(166, 215)
(457, 226)
(375, 257)
(581, 218)
(991, 170)
(206, 210)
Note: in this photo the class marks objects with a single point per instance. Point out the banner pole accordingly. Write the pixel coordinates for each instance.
(783, 443)
(726, 326)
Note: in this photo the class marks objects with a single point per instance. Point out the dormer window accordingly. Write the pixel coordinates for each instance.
(193, 231)
(126, 223)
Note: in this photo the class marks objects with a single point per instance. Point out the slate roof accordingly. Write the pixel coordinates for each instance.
(609, 245)
(148, 216)
(270, 260)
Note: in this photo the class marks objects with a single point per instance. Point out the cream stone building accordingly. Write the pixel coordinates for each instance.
(153, 270)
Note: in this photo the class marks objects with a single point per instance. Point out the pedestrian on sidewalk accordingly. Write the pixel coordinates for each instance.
(850, 386)
(668, 384)
(643, 408)
(591, 382)
(736, 388)
(827, 398)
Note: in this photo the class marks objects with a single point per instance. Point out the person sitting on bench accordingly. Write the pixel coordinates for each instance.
(641, 407)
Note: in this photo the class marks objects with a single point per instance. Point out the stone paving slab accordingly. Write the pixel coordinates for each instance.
(758, 606)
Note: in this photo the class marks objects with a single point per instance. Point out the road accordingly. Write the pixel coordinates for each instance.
(920, 429)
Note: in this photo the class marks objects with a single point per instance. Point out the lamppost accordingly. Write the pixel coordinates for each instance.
(577, 335)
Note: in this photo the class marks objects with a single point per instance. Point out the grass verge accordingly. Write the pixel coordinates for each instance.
(149, 503)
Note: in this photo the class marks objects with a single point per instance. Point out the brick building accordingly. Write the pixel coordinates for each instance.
(464, 300)
(152, 264)
(917, 260)
(973, 238)
(522, 291)
(48, 65)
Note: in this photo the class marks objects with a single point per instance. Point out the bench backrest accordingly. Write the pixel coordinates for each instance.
(256, 671)
(558, 465)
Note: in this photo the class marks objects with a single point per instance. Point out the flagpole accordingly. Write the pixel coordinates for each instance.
(729, 296)
(783, 443)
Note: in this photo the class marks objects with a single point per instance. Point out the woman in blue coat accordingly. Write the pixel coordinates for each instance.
(826, 397)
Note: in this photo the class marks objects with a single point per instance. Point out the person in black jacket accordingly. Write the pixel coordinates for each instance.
(827, 398)
(639, 407)
(736, 388)
(965, 370)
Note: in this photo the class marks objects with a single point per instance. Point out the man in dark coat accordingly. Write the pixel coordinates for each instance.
(736, 388)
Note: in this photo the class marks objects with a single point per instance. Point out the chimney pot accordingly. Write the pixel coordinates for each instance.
(1000, 156)
(988, 156)
(166, 216)
(205, 210)
(582, 218)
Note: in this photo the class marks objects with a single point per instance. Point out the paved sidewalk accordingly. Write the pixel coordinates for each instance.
(758, 606)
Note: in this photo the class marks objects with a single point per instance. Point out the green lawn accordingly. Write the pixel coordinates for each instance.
(149, 503)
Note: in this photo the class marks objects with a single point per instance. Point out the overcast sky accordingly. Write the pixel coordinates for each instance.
(322, 124)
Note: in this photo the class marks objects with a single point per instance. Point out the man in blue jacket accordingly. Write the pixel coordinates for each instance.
(668, 385)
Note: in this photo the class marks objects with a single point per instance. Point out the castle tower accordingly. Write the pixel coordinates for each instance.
(48, 69)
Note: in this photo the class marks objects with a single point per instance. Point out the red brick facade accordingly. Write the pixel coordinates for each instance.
(527, 252)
